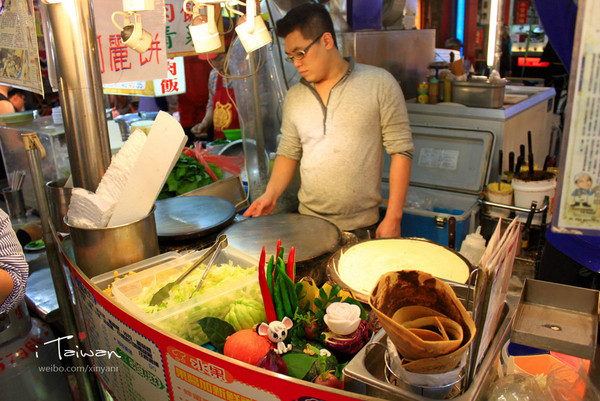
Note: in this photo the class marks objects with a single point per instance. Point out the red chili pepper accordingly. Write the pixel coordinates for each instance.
(261, 261)
(290, 264)
(264, 289)
(278, 249)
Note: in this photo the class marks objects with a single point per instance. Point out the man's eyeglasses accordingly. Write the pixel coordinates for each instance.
(299, 54)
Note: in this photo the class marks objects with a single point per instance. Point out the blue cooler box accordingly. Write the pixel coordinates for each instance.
(449, 170)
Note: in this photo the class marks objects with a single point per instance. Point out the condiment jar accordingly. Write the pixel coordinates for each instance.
(434, 90)
(423, 92)
(447, 89)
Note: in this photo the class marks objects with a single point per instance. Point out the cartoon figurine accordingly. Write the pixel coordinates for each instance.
(277, 332)
(581, 194)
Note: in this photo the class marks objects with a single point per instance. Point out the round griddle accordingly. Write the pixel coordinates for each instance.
(311, 236)
(186, 217)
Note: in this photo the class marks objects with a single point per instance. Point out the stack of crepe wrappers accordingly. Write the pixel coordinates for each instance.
(408, 304)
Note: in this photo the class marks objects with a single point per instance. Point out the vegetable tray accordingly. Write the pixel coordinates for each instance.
(214, 299)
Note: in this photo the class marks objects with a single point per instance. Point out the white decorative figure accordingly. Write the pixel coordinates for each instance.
(277, 331)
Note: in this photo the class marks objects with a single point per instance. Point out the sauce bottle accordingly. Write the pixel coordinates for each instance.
(423, 92)
(434, 90)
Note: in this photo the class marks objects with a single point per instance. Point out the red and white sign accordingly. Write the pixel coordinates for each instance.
(119, 63)
(521, 12)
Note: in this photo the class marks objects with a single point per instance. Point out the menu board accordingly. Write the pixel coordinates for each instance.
(579, 204)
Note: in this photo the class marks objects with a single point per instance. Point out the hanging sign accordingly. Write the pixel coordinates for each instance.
(173, 84)
(178, 39)
(521, 13)
(122, 63)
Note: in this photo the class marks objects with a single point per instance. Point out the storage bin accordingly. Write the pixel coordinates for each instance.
(449, 170)
(434, 224)
(182, 318)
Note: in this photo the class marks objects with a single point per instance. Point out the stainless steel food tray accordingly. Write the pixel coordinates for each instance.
(368, 365)
(557, 317)
(478, 94)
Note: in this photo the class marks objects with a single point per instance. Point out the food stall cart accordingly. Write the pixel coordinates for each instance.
(137, 360)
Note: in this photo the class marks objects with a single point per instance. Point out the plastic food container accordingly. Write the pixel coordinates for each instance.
(478, 93)
(182, 318)
(105, 279)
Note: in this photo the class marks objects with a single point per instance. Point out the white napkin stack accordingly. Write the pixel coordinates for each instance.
(93, 210)
(133, 180)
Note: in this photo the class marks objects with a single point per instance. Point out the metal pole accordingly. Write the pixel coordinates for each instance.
(258, 123)
(87, 390)
(75, 52)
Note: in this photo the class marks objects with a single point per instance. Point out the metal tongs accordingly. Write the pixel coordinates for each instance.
(212, 252)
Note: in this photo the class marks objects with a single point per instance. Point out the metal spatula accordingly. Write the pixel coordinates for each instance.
(213, 251)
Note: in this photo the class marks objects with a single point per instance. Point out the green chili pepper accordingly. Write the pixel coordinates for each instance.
(269, 275)
(278, 301)
(288, 286)
(285, 300)
(291, 288)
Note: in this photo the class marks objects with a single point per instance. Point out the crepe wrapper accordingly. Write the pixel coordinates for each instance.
(438, 307)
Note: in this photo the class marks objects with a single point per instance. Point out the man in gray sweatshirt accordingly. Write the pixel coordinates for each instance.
(336, 122)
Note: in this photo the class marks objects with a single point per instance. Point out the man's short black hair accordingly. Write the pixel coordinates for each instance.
(310, 18)
(16, 91)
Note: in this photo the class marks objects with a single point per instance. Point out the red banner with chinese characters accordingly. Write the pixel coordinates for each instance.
(521, 12)
(137, 361)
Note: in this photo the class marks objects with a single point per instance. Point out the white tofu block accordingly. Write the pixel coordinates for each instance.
(160, 153)
(88, 210)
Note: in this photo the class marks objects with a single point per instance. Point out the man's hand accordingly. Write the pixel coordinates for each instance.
(200, 128)
(388, 228)
(264, 205)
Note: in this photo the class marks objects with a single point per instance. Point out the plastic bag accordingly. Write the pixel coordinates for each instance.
(516, 387)
(568, 384)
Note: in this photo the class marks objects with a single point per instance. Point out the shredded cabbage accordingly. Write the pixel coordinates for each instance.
(226, 281)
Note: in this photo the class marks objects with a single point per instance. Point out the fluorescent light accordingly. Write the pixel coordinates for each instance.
(493, 26)
(460, 22)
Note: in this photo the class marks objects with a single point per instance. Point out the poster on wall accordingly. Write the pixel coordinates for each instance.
(579, 197)
(19, 58)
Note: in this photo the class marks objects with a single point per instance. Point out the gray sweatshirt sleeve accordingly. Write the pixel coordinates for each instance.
(289, 144)
(397, 137)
